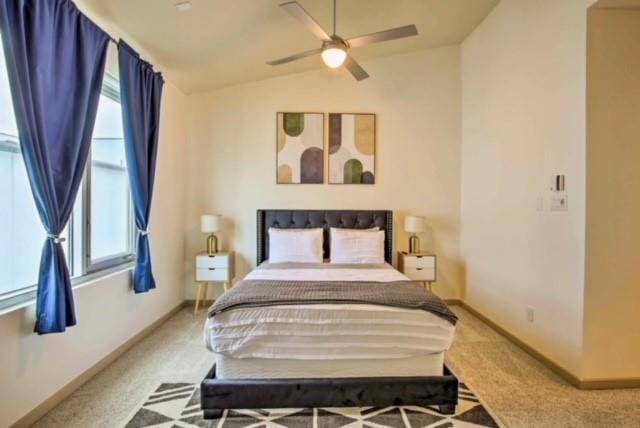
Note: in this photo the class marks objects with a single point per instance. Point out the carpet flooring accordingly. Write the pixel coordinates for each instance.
(519, 390)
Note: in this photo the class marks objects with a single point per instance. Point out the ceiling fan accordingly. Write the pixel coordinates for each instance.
(335, 49)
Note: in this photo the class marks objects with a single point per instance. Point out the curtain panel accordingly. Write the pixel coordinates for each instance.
(140, 96)
(55, 59)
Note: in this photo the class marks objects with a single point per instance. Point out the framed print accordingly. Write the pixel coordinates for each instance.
(300, 153)
(352, 144)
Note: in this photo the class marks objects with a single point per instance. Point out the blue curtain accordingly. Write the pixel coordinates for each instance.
(140, 94)
(55, 59)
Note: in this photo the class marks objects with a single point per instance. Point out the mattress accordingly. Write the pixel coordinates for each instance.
(263, 368)
(327, 332)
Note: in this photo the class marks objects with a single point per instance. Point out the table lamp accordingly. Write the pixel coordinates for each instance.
(414, 224)
(210, 223)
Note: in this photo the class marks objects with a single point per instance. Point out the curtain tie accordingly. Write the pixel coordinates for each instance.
(56, 238)
(143, 232)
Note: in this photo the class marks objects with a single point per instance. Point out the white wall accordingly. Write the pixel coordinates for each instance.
(612, 291)
(416, 98)
(523, 120)
(32, 367)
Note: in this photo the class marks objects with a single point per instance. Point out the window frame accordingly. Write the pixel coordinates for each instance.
(111, 90)
(82, 268)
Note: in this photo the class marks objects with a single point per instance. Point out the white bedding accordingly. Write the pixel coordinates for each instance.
(327, 331)
(263, 368)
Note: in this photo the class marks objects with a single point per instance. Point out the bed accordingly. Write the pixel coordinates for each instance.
(332, 353)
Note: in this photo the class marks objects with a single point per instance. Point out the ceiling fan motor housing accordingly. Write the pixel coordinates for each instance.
(335, 42)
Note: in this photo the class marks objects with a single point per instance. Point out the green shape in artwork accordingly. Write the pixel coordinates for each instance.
(293, 124)
(353, 172)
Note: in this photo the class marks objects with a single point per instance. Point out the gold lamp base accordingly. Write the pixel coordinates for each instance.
(212, 244)
(414, 244)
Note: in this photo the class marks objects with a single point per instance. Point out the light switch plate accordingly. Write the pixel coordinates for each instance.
(560, 203)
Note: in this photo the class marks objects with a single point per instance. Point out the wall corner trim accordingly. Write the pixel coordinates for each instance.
(47, 405)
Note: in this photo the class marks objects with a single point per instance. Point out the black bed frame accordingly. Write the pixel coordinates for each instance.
(220, 394)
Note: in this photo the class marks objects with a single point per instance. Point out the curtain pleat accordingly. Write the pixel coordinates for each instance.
(140, 95)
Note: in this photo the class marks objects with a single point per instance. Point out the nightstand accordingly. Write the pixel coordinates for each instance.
(418, 267)
(216, 267)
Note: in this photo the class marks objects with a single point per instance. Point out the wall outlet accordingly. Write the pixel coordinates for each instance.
(560, 203)
(530, 314)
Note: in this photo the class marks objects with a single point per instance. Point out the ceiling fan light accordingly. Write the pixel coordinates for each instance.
(334, 57)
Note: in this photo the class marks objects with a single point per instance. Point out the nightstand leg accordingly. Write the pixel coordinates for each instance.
(198, 293)
(204, 294)
(226, 286)
(430, 289)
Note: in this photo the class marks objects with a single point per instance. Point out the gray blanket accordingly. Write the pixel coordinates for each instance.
(400, 294)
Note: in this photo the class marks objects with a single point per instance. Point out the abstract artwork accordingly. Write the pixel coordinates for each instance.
(300, 157)
(352, 141)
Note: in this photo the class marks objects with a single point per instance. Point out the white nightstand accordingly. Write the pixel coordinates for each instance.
(418, 267)
(217, 267)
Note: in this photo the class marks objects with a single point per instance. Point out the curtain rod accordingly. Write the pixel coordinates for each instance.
(111, 38)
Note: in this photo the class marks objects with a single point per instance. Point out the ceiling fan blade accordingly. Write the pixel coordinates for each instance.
(295, 57)
(295, 9)
(355, 69)
(383, 36)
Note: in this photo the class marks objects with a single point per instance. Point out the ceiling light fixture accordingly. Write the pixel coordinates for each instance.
(184, 6)
(334, 56)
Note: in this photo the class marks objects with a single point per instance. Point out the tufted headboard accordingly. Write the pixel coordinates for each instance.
(302, 219)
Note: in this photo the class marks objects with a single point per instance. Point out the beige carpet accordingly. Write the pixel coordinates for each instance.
(520, 391)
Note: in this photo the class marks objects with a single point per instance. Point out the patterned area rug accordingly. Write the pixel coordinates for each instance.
(177, 405)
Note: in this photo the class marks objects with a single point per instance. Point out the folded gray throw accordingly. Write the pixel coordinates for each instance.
(400, 294)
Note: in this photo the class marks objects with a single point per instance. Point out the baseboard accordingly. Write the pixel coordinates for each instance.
(453, 302)
(586, 384)
(43, 408)
(203, 303)
(610, 383)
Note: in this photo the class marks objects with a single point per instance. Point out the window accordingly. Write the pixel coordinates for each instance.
(111, 226)
(21, 234)
(100, 233)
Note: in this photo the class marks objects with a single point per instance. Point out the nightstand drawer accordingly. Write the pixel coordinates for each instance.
(212, 274)
(420, 274)
(419, 261)
(216, 261)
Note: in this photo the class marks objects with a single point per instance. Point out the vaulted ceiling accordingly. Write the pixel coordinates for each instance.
(224, 42)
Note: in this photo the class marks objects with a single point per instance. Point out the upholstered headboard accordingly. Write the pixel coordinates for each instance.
(306, 219)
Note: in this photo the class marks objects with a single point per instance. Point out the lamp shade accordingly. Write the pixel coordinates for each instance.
(209, 223)
(334, 57)
(414, 224)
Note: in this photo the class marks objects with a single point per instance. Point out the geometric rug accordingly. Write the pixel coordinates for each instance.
(177, 405)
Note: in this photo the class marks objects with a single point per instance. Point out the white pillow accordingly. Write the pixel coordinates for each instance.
(295, 245)
(357, 246)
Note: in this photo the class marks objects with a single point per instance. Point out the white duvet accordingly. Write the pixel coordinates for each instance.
(327, 331)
